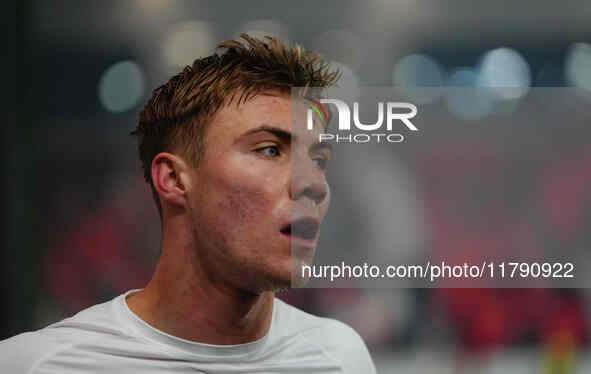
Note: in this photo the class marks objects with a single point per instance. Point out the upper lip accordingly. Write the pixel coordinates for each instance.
(305, 227)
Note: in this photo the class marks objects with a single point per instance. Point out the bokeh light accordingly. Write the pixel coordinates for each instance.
(418, 77)
(578, 65)
(507, 71)
(189, 40)
(154, 7)
(121, 86)
(464, 97)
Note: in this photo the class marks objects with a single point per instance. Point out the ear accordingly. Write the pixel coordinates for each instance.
(171, 178)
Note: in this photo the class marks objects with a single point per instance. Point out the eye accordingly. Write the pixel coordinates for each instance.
(269, 151)
(322, 163)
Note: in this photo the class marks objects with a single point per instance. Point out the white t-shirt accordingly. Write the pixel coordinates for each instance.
(110, 338)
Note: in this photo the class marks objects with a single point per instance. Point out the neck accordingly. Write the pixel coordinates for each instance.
(183, 301)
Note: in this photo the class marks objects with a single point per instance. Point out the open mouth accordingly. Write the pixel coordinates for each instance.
(303, 228)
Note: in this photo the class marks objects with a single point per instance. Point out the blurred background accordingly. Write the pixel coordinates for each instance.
(82, 226)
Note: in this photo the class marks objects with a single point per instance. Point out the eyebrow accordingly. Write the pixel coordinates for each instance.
(284, 136)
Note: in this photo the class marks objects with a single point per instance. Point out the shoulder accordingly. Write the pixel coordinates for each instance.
(337, 339)
(23, 352)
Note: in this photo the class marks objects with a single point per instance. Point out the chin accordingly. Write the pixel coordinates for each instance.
(281, 279)
(297, 280)
(275, 277)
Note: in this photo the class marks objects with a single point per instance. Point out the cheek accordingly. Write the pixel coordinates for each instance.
(244, 201)
(243, 204)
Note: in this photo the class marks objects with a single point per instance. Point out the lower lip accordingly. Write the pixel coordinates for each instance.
(301, 242)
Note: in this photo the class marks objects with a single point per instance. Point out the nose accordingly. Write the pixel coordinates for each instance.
(307, 180)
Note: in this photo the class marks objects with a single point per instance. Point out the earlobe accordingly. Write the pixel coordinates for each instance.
(167, 172)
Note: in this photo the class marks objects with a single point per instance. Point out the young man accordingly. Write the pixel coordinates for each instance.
(241, 192)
